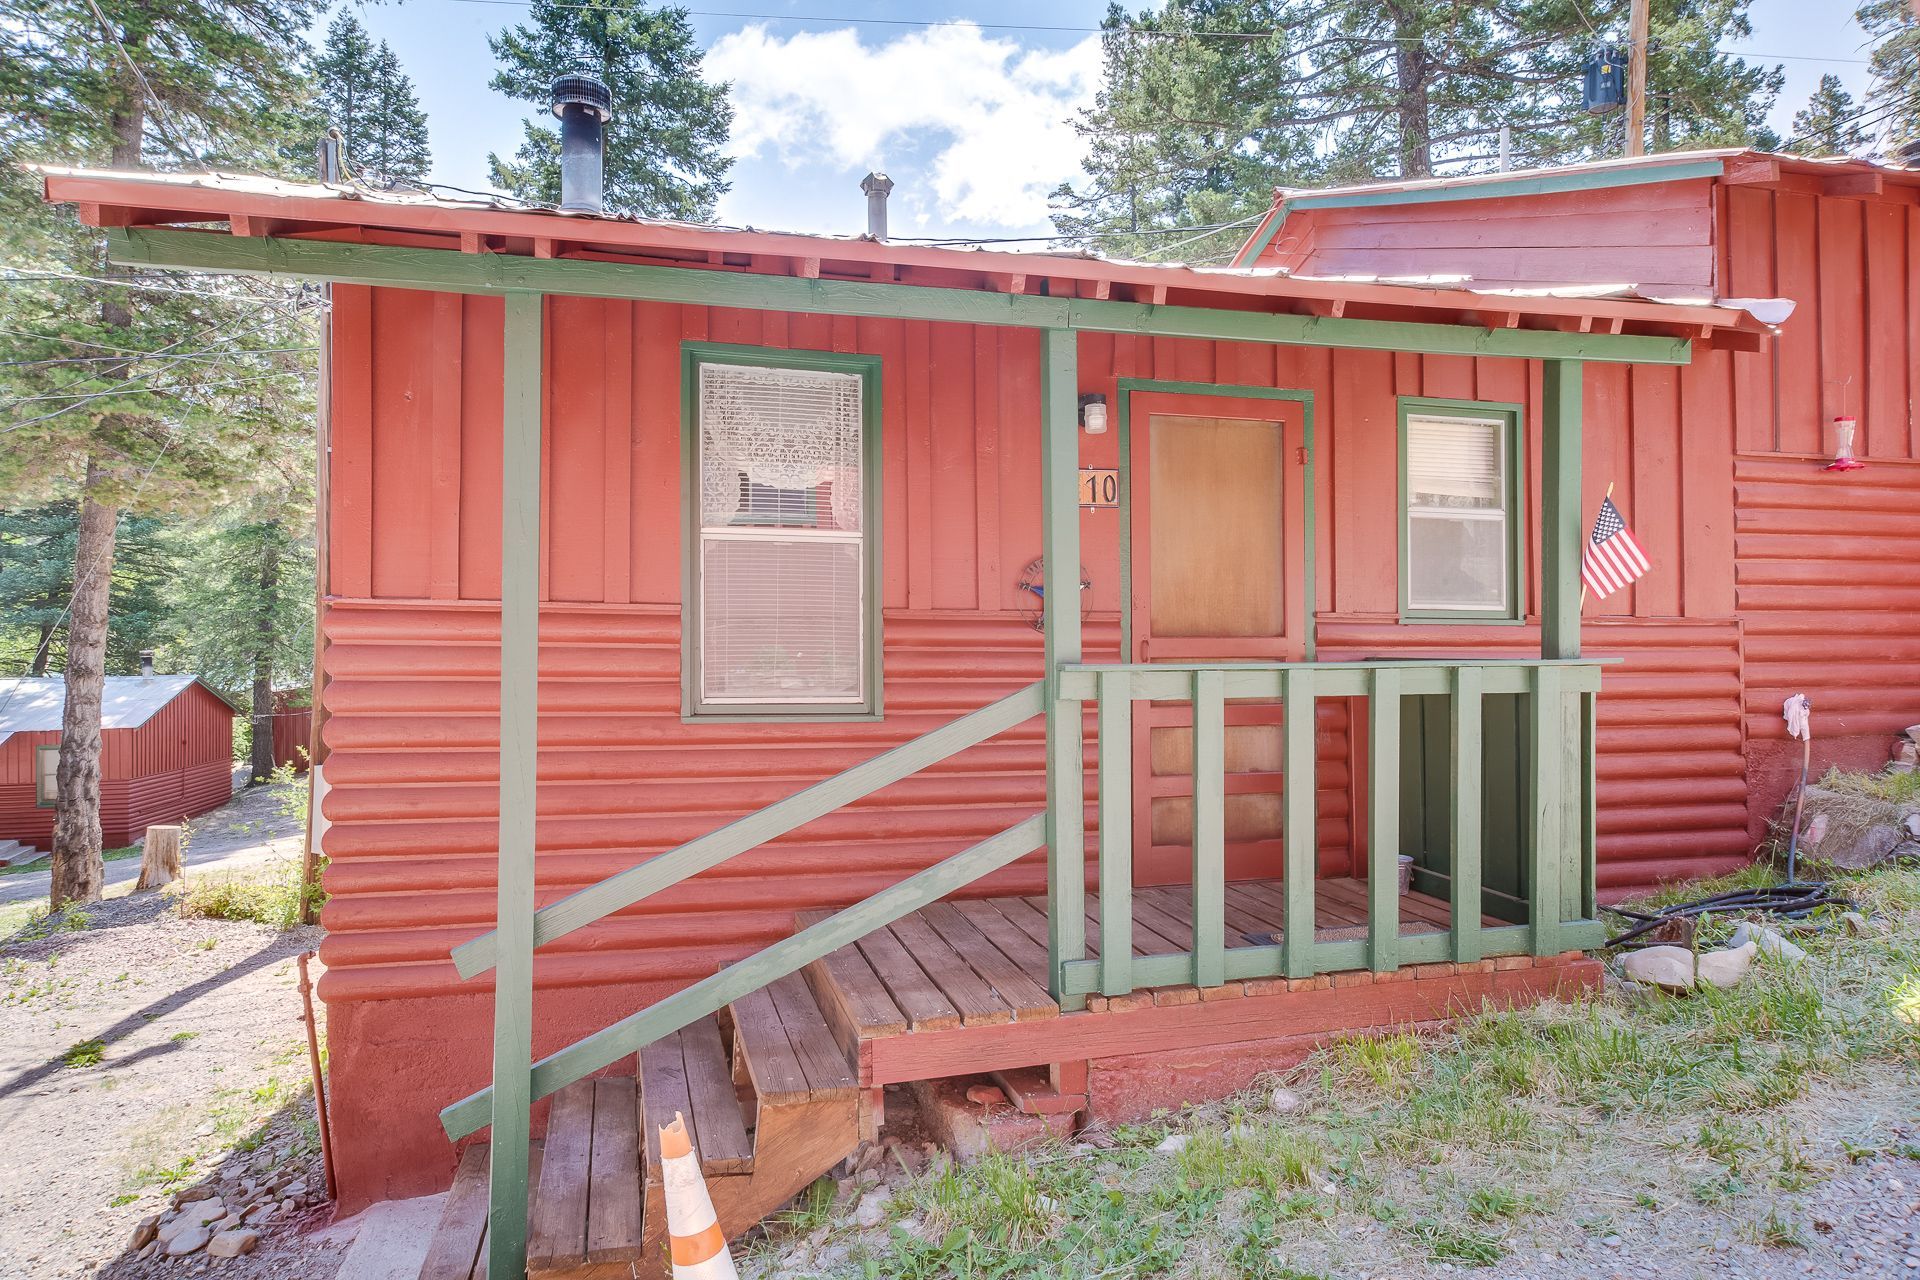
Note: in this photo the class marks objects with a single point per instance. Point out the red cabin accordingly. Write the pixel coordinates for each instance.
(166, 754)
(812, 663)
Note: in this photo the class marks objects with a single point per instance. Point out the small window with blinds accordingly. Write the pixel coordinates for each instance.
(46, 776)
(1459, 516)
(782, 588)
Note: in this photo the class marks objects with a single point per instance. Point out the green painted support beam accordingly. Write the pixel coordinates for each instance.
(519, 738)
(623, 889)
(1066, 745)
(1465, 837)
(447, 270)
(789, 955)
(1209, 828)
(1383, 822)
(1300, 820)
(1551, 856)
(1560, 515)
(1116, 834)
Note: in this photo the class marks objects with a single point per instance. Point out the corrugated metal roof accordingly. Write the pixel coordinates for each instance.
(31, 704)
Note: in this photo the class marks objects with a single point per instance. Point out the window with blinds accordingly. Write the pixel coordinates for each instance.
(1458, 515)
(781, 562)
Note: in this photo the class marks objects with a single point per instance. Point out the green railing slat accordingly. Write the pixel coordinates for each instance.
(1300, 830)
(789, 955)
(1383, 822)
(1209, 828)
(1116, 834)
(1549, 828)
(630, 886)
(1465, 842)
(519, 762)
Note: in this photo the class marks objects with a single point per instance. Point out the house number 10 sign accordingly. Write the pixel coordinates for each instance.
(1099, 487)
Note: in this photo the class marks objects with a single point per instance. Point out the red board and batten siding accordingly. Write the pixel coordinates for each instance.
(176, 765)
(410, 629)
(1823, 586)
(1664, 229)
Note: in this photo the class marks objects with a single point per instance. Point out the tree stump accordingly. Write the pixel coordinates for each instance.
(159, 858)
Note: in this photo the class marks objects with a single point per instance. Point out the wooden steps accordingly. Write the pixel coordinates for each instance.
(769, 1099)
(14, 853)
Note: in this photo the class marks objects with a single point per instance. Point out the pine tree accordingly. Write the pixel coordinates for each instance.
(36, 580)
(127, 393)
(1829, 124)
(1207, 105)
(361, 90)
(244, 605)
(1894, 101)
(663, 145)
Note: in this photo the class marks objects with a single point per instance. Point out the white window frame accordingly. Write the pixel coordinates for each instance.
(46, 788)
(1505, 420)
(696, 704)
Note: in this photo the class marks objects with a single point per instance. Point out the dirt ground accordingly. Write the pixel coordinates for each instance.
(140, 1056)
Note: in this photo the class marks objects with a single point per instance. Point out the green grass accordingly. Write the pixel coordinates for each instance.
(1463, 1144)
(87, 1053)
(270, 896)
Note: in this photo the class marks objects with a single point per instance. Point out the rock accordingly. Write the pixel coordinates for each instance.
(1669, 968)
(1770, 943)
(1913, 732)
(1173, 1143)
(298, 1188)
(189, 1241)
(231, 1244)
(187, 1195)
(1726, 967)
(192, 1217)
(144, 1231)
(985, 1095)
(872, 1210)
(1284, 1101)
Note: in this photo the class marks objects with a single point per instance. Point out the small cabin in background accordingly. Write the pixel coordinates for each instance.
(166, 753)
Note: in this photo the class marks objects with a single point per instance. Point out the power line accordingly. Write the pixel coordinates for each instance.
(136, 357)
(1063, 29)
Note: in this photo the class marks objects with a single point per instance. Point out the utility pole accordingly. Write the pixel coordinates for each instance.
(1637, 79)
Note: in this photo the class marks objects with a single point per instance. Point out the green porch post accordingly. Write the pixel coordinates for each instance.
(1557, 816)
(519, 690)
(1060, 544)
(1560, 510)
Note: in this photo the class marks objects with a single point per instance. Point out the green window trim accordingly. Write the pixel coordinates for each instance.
(43, 797)
(866, 367)
(1511, 416)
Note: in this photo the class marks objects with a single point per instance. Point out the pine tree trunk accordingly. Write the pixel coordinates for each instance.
(78, 872)
(263, 649)
(45, 647)
(1410, 74)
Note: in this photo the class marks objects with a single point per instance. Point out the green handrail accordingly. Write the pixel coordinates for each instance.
(625, 888)
(745, 976)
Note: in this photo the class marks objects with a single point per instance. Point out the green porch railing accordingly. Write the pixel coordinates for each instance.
(1558, 909)
(608, 1045)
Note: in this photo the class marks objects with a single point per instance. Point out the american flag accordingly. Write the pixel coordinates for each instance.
(1613, 558)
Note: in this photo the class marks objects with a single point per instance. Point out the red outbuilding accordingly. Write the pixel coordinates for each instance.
(166, 754)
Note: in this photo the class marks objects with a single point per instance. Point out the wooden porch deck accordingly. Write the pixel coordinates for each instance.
(983, 962)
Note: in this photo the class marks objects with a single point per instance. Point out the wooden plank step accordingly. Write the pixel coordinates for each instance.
(851, 995)
(1031, 1091)
(458, 1249)
(557, 1233)
(686, 1074)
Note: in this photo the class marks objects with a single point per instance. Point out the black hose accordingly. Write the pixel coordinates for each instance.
(1792, 901)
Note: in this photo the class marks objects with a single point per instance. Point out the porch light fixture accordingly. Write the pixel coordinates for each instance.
(1843, 459)
(1093, 413)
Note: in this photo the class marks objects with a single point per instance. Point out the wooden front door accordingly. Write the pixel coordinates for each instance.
(1218, 576)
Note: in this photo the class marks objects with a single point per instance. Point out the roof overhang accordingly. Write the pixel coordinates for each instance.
(225, 223)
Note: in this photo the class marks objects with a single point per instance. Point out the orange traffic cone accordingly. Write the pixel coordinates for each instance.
(694, 1242)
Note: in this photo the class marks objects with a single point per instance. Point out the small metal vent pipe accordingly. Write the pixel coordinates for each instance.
(583, 105)
(877, 186)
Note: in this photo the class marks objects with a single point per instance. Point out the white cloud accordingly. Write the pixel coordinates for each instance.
(990, 120)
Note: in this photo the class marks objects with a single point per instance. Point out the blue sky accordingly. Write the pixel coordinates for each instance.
(970, 120)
